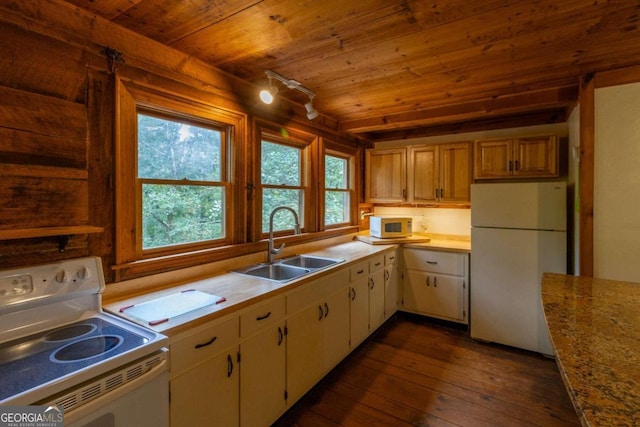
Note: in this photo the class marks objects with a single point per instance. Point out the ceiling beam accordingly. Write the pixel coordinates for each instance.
(543, 100)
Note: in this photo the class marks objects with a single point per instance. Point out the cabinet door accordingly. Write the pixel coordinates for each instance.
(385, 175)
(376, 299)
(536, 157)
(335, 334)
(455, 172)
(391, 288)
(447, 297)
(305, 350)
(207, 394)
(423, 174)
(359, 308)
(415, 293)
(493, 158)
(262, 378)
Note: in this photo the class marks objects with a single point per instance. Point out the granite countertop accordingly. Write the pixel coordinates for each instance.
(594, 326)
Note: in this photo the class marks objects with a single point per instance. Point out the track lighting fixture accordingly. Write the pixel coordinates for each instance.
(267, 95)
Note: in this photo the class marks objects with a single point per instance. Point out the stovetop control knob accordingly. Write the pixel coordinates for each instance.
(62, 276)
(84, 273)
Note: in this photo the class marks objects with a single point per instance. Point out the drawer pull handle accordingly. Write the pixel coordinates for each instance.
(435, 282)
(432, 262)
(428, 283)
(353, 294)
(280, 336)
(376, 264)
(211, 341)
(386, 275)
(360, 271)
(326, 310)
(229, 365)
(372, 283)
(265, 316)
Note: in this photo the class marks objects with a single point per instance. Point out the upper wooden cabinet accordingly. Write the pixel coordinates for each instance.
(419, 174)
(530, 157)
(386, 175)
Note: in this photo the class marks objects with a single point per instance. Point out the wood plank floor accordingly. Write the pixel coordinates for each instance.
(422, 373)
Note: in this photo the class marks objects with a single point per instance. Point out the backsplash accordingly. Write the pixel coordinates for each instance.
(431, 220)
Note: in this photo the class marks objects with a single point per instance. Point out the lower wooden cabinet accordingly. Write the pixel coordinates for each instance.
(208, 394)
(263, 377)
(435, 283)
(248, 368)
(205, 375)
(263, 363)
(317, 336)
(391, 284)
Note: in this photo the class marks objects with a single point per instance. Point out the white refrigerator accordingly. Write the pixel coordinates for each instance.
(518, 232)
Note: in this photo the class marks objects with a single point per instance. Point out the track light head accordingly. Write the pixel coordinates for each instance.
(312, 113)
(267, 95)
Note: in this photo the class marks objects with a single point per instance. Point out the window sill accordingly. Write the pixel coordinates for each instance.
(161, 264)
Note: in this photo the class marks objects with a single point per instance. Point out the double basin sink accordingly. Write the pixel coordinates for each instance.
(289, 268)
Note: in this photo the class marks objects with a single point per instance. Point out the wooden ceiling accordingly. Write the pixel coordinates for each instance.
(401, 68)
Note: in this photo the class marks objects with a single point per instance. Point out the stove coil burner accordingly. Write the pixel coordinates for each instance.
(68, 332)
(86, 348)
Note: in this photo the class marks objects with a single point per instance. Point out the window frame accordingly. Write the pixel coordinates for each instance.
(224, 183)
(330, 148)
(305, 143)
(131, 99)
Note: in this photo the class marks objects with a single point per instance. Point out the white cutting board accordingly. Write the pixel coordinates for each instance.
(162, 309)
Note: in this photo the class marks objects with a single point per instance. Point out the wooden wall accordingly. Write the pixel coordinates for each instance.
(56, 124)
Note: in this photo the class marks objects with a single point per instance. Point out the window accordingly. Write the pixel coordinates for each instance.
(181, 174)
(175, 184)
(281, 179)
(337, 204)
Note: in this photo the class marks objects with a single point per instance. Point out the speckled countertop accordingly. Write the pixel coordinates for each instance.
(595, 330)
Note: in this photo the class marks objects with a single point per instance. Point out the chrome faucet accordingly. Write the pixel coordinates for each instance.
(296, 230)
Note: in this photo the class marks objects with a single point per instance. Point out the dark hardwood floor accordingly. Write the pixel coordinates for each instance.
(423, 373)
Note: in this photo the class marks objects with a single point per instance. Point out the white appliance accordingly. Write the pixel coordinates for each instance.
(389, 227)
(57, 347)
(518, 232)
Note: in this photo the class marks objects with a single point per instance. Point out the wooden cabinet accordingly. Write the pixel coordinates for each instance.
(529, 157)
(317, 336)
(439, 173)
(248, 368)
(436, 284)
(386, 175)
(359, 303)
(263, 364)
(391, 283)
(376, 292)
(429, 174)
(205, 376)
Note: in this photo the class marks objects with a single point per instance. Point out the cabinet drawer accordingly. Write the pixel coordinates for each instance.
(262, 316)
(376, 263)
(316, 291)
(390, 258)
(359, 270)
(204, 344)
(434, 261)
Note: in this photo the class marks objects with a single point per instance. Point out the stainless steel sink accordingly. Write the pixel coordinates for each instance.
(289, 268)
(310, 262)
(277, 272)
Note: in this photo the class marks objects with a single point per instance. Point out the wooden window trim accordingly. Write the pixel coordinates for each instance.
(350, 154)
(131, 98)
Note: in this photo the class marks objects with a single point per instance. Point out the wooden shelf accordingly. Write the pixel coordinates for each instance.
(29, 233)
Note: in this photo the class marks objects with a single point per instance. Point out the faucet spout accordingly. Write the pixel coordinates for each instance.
(296, 230)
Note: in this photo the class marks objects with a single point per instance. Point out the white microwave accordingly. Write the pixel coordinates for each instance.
(387, 227)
